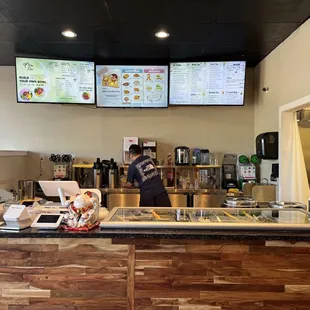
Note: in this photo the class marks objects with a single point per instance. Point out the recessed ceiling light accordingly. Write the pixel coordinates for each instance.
(162, 34)
(69, 34)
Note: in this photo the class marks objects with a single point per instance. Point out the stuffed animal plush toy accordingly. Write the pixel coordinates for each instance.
(83, 211)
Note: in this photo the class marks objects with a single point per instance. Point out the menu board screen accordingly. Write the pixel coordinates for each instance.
(207, 83)
(132, 86)
(55, 81)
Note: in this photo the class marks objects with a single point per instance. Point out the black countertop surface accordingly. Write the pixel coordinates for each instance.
(163, 233)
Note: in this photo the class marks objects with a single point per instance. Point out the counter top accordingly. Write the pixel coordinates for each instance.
(121, 190)
(8, 153)
(163, 234)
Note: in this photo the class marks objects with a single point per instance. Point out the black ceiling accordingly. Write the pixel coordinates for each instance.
(122, 31)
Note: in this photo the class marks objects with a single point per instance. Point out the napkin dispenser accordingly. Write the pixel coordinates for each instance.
(267, 145)
(17, 216)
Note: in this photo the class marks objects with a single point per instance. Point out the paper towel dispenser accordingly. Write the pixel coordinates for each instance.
(267, 145)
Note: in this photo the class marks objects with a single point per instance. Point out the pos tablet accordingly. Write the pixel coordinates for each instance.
(47, 221)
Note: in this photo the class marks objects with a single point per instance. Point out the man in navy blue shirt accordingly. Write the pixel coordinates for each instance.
(143, 169)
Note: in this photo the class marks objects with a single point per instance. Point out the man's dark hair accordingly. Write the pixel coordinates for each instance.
(135, 149)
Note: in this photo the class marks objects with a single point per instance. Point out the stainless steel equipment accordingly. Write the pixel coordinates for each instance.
(105, 173)
(26, 189)
(213, 218)
(133, 199)
(97, 173)
(84, 175)
(113, 174)
(209, 199)
(182, 155)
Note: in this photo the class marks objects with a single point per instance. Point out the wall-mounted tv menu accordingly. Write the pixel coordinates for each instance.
(55, 81)
(207, 83)
(132, 86)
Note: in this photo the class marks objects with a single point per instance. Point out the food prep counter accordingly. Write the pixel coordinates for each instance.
(132, 268)
(211, 218)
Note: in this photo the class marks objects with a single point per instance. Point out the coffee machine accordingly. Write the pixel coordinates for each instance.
(84, 175)
(229, 171)
(182, 155)
(95, 175)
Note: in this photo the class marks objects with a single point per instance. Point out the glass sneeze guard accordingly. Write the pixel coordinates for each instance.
(208, 218)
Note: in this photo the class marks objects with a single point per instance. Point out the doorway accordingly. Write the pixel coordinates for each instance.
(293, 180)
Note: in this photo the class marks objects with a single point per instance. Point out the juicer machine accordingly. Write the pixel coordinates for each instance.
(246, 170)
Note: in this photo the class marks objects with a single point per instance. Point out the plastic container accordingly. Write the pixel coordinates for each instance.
(287, 205)
(240, 202)
(204, 157)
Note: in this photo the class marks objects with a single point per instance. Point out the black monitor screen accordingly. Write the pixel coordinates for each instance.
(48, 219)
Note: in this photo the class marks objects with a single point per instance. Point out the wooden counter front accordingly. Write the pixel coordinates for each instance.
(163, 274)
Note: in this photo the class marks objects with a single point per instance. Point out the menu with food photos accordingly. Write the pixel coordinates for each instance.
(132, 86)
(207, 83)
(55, 81)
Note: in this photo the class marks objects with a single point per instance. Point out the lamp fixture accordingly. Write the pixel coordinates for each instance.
(162, 34)
(69, 34)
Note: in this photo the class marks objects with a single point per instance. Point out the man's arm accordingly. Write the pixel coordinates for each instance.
(130, 177)
(128, 185)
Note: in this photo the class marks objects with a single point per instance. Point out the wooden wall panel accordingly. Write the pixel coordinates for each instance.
(222, 275)
(62, 274)
(82, 274)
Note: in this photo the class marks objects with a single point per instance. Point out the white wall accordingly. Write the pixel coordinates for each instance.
(305, 142)
(90, 133)
(286, 72)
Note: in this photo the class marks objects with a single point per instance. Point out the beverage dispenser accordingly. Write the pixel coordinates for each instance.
(113, 174)
(97, 173)
(127, 142)
(229, 169)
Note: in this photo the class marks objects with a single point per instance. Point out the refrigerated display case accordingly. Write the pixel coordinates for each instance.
(211, 218)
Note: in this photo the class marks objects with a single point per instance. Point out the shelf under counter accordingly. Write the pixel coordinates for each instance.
(124, 197)
(180, 166)
(170, 190)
